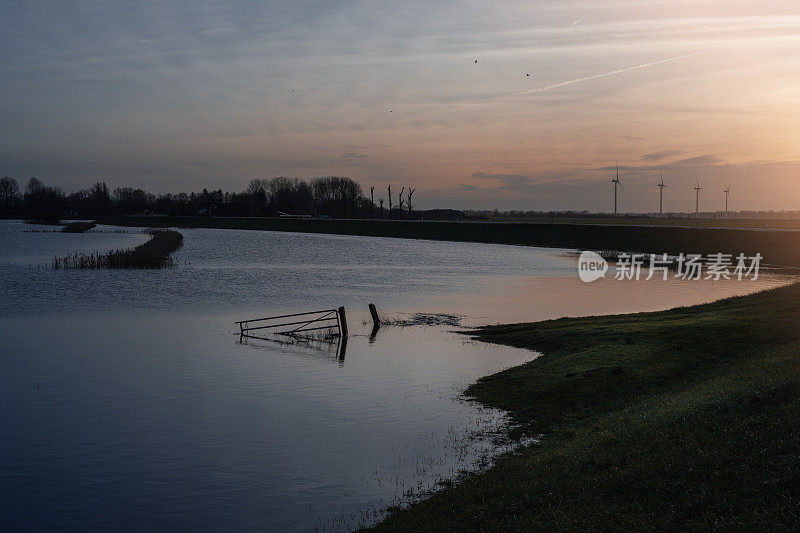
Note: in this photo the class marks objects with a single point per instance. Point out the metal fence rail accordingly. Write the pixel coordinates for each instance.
(327, 319)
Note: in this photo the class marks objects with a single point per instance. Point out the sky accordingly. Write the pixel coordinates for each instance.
(177, 96)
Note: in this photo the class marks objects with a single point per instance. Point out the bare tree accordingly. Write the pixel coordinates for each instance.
(390, 201)
(372, 202)
(400, 214)
(410, 192)
(9, 193)
(381, 202)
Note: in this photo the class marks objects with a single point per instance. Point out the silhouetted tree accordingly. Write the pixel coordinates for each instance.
(335, 196)
(131, 201)
(41, 203)
(10, 198)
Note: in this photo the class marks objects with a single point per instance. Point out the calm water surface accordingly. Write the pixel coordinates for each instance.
(127, 401)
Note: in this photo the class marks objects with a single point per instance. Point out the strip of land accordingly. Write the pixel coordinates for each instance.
(754, 222)
(155, 253)
(77, 227)
(776, 247)
(682, 419)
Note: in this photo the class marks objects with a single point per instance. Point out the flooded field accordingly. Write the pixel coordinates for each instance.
(128, 398)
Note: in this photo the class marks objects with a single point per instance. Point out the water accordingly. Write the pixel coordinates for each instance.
(126, 399)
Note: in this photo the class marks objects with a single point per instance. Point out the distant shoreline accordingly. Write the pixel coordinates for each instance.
(776, 247)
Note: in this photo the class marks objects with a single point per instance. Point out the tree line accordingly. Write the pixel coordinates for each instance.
(331, 196)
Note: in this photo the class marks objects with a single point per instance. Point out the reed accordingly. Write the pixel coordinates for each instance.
(155, 253)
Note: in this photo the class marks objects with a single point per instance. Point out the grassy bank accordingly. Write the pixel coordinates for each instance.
(672, 420)
(782, 248)
(691, 221)
(155, 253)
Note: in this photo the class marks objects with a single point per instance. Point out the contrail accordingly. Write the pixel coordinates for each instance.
(603, 75)
(555, 85)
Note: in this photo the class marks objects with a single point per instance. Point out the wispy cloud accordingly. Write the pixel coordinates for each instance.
(468, 187)
(658, 156)
(526, 184)
(709, 160)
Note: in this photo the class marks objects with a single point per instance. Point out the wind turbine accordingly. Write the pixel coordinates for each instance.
(616, 183)
(697, 190)
(727, 191)
(661, 194)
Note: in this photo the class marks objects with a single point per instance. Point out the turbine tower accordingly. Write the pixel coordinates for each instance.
(697, 190)
(617, 184)
(727, 191)
(661, 194)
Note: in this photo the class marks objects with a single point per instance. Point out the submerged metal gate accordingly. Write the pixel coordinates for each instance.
(331, 320)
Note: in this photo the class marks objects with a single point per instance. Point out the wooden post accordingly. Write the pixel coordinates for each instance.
(376, 320)
(342, 322)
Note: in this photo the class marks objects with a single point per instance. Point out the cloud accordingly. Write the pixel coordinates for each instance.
(519, 183)
(709, 160)
(658, 156)
(703, 160)
(546, 184)
(466, 187)
(355, 155)
(506, 179)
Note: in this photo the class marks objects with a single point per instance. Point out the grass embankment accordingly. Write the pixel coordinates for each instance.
(777, 247)
(689, 222)
(77, 227)
(155, 253)
(679, 419)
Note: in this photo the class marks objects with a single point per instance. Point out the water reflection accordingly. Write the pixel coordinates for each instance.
(327, 347)
(373, 335)
(129, 397)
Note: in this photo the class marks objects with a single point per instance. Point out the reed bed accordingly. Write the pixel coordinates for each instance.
(155, 253)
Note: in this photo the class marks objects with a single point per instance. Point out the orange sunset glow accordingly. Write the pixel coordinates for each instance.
(392, 93)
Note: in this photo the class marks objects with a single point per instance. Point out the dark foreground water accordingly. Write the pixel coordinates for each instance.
(127, 401)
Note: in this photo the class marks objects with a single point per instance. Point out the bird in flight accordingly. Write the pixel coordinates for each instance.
(476, 60)
(527, 74)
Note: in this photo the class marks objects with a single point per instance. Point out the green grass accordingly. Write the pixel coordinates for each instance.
(777, 247)
(682, 419)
